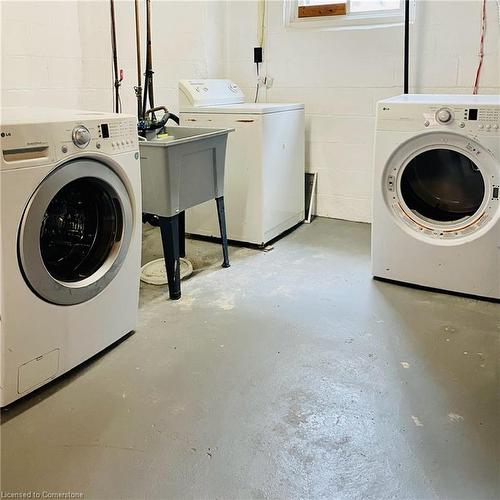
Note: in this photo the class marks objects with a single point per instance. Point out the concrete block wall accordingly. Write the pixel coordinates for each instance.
(340, 75)
(58, 53)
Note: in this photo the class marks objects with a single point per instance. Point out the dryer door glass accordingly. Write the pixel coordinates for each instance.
(443, 185)
(79, 228)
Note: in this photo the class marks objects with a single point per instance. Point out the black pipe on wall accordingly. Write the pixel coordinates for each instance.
(406, 57)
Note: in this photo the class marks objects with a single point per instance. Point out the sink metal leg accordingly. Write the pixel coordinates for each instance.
(169, 227)
(222, 226)
(182, 233)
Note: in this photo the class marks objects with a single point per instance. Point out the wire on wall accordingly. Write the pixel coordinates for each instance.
(261, 22)
(481, 48)
(261, 16)
(257, 86)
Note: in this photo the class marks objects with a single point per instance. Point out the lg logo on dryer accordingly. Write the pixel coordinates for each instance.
(5, 134)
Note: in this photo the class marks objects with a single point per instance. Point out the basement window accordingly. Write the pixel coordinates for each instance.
(335, 14)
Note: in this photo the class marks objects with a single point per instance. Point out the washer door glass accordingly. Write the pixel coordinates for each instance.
(75, 232)
(79, 229)
(442, 185)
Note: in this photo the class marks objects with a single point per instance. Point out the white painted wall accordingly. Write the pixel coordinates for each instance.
(58, 53)
(340, 75)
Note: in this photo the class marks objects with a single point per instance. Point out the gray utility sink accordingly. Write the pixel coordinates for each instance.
(178, 172)
(181, 172)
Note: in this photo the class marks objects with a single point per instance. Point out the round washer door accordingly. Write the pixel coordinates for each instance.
(75, 232)
(442, 186)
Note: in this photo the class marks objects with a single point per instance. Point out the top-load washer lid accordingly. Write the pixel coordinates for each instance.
(224, 97)
(246, 108)
(209, 92)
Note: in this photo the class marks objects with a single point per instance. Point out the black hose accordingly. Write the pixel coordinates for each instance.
(174, 118)
(164, 119)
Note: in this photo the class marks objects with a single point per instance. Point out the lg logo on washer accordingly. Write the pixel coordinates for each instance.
(5, 134)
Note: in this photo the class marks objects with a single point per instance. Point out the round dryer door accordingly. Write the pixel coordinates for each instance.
(443, 186)
(75, 232)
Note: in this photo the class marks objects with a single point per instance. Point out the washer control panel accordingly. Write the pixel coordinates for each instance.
(111, 136)
(81, 136)
(119, 134)
(54, 137)
(209, 92)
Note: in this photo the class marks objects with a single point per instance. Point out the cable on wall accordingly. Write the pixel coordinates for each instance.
(261, 22)
(257, 51)
(257, 86)
(481, 48)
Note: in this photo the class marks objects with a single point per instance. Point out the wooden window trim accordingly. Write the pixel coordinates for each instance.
(333, 9)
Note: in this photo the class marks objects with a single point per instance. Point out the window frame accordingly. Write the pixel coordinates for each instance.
(358, 20)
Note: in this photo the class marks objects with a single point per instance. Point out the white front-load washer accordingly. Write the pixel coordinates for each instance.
(70, 240)
(436, 210)
(264, 174)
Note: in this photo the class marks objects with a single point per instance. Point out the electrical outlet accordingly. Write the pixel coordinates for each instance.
(265, 81)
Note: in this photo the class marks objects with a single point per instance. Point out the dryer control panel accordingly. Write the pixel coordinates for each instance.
(486, 118)
(474, 119)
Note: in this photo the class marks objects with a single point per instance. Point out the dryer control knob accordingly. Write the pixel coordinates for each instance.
(444, 116)
(81, 136)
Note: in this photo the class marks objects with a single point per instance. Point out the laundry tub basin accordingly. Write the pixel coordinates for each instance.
(182, 170)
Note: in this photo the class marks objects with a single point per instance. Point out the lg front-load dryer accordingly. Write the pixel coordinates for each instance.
(436, 218)
(264, 175)
(70, 233)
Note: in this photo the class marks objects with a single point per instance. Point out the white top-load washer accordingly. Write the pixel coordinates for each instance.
(436, 212)
(264, 184)
(70, 241)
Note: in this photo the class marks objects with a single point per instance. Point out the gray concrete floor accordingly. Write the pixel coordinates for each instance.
(290, 375)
